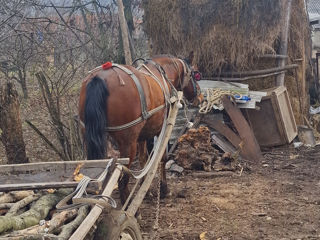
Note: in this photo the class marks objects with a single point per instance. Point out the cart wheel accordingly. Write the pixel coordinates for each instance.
(117, 225)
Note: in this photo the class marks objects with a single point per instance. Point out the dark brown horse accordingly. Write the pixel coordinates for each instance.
(129, 105)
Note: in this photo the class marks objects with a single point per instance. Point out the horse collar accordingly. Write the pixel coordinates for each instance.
(186, 74)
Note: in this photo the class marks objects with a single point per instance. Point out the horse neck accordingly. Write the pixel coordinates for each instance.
(172, 64)
(177, 81)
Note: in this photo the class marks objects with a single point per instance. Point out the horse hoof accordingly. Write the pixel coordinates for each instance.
(163, 190)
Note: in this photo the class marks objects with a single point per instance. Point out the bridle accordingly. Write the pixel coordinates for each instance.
(188, 74)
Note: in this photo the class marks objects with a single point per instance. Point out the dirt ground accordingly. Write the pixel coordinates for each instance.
(276, 198)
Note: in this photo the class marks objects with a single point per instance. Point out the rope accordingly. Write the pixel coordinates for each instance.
(78, 200)
(213, 99)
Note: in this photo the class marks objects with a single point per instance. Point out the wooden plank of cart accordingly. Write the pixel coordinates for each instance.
(48, 175)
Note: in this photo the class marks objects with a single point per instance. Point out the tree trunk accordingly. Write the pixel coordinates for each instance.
(10, 125)
(23, 83)
(124, 33)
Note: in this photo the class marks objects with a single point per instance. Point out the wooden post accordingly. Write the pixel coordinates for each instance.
(124, 33)
(284, 42)
(10, 125)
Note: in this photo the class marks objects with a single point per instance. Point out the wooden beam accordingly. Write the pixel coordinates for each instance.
(223, 129)
(94, 185)
(56, 166)
(258, 72)
(277, 56)
(137, 200)
(96, 211)
(284, 41)
(246, 78)
(251, 149)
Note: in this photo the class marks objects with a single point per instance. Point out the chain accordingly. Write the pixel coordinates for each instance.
(156, 222)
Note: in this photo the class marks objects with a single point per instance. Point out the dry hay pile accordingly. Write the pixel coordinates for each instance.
(231, 36)
(222, 34)
(299, 52)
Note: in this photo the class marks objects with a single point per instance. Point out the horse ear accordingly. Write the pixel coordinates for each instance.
(191, 57)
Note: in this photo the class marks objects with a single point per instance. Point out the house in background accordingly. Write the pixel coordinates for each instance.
(314, 18)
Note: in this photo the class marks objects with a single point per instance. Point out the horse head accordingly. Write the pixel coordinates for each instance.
(190, 87)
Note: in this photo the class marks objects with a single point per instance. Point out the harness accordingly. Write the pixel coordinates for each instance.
(145, 114)
(143, 102)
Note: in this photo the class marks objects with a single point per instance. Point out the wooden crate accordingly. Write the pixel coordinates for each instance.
(274, 123)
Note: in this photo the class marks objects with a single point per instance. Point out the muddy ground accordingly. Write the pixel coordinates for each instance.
(276, 198)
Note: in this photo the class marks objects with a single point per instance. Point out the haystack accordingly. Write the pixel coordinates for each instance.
(233, 36)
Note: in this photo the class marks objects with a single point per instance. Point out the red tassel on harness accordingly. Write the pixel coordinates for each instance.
(106, 65)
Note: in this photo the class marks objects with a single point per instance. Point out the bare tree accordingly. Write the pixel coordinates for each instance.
(57, 42)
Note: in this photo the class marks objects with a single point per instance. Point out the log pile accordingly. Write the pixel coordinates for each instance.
(195, 151)
(32, 215)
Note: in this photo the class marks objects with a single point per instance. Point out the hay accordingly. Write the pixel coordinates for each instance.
(222, 34)
(231, 36)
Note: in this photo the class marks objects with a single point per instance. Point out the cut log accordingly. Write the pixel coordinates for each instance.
(68, 229)
(37, 212)
(22, 203)
(57, 221)
(37, 236)
(14, 196)
(6, 205)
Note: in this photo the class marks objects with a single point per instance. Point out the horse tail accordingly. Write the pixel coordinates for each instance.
(95, 116)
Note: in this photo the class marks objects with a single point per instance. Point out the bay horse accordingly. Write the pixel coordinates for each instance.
(130, 105)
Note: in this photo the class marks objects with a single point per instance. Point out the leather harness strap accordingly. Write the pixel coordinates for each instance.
(143, 102)
(145, 113)
(134, 122)
(144, 109)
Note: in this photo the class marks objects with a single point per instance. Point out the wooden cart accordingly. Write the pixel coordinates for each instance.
(120, 223)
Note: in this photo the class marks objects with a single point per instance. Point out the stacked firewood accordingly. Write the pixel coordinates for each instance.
(32, 215)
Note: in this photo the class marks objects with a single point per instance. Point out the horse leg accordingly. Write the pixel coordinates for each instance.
(126, 150)
(142, 151)
(142, 146)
